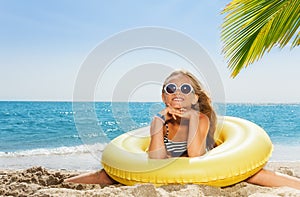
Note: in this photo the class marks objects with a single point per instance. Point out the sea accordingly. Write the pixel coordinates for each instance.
(72, 135)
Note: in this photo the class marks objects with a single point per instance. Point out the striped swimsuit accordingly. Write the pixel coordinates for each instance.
(175, 149)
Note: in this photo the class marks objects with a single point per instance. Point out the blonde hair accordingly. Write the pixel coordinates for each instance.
(203, 105)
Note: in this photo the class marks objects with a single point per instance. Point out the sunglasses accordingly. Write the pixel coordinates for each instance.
(185, 88)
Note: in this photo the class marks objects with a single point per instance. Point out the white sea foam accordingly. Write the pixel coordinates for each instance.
(55, 151)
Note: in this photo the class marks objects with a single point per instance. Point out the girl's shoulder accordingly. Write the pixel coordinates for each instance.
(203, 116)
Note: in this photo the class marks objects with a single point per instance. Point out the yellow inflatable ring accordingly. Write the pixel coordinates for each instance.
(243, 149)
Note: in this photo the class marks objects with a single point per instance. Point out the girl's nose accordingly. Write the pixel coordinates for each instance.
(178, 91)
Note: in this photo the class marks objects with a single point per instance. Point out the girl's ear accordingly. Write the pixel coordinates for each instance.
(195, 99)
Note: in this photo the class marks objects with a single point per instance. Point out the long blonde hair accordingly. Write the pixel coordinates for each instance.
(203, 105)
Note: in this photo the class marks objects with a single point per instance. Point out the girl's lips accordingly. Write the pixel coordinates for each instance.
(178, 99)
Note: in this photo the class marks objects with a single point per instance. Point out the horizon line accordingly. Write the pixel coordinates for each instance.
(108, 101)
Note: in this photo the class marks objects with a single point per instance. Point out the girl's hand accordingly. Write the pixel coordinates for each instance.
(172, 113)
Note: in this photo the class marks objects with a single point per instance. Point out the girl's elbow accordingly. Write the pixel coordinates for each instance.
(195, 154)
(156, 155)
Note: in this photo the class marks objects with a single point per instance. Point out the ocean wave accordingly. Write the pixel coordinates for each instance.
(80, 149)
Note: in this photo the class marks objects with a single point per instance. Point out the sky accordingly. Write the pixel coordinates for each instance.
(43, 45)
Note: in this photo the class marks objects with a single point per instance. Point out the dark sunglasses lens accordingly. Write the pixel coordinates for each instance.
(171, 88)
(186, 89)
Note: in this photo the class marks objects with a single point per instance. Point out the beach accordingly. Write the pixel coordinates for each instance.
(39, 181)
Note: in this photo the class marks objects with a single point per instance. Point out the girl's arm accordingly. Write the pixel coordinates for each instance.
(157, 148)
(198, 130)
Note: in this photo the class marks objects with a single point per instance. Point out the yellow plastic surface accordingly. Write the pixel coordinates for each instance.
(243, 149)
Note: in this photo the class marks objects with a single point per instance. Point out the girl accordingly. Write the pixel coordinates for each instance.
(186, 128)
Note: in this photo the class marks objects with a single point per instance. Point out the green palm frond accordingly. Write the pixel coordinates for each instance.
(252, 27)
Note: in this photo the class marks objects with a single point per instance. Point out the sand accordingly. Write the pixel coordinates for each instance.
(38, 181)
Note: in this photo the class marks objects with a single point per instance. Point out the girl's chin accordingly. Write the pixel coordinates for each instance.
(177, 105)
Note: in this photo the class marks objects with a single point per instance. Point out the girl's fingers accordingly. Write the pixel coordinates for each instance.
(173, 115)
(171, 112)
(183, 110)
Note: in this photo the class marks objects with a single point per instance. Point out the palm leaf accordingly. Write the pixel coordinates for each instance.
(253, 27)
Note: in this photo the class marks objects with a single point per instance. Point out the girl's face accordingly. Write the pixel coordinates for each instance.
(179, 100)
